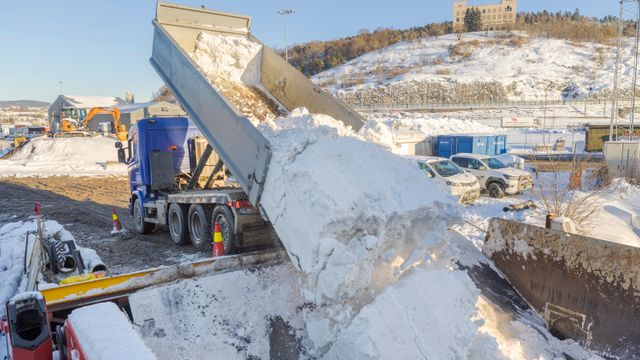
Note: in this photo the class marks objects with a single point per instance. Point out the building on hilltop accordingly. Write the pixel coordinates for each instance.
(500, 16)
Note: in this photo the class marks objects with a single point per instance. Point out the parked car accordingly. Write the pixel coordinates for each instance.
(496, 178)
(450, 178)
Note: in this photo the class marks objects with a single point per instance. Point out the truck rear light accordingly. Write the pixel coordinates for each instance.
(240, 204)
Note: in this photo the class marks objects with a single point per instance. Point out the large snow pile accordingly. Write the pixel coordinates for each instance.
(525, 72)
(106, 333)
(45, 156)
(232, 64)
(349, 213)
(367, 233)
(385, 128)
(230, 315)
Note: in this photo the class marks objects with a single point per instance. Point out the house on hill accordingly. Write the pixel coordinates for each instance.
(500, 16)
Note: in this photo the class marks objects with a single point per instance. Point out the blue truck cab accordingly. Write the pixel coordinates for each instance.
(162, 157)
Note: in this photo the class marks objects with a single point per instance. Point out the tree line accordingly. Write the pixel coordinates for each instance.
(316, 56)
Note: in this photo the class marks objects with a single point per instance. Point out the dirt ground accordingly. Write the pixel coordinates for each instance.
(83, 206)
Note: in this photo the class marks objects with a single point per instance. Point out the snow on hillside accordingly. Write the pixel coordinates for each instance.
(524, 67)
(64, 156)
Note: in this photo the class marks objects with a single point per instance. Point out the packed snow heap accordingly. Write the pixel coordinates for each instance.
(364, 228)
(45, 156)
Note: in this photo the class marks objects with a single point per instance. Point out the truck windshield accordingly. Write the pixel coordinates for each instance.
(445, 168)
(495, 163)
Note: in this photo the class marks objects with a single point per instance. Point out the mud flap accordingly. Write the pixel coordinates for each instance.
(586, 289)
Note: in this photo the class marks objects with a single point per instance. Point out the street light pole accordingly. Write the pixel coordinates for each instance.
(284, 13)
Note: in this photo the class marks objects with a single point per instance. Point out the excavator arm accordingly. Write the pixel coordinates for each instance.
(120, 132)
(97, 110)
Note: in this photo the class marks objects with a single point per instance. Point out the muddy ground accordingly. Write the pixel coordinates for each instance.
(83, 206)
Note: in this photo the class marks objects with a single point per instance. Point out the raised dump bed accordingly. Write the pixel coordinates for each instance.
(243, 149)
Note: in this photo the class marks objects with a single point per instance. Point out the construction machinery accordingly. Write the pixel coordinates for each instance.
(39, 324)
(240, 146)
(585, 289)
(176, 180)
(69, 126)
(227, 140)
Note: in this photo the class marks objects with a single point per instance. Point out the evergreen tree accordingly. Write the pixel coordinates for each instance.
(473, 20)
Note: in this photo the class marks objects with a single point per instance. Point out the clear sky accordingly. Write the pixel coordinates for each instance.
(102, 47)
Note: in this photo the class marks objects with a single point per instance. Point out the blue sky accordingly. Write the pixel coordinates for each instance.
(102, 47)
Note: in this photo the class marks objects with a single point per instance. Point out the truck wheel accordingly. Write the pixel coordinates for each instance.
(201, 235)
(177, 224)
(142, 227)
(223, 216)
(496, 190)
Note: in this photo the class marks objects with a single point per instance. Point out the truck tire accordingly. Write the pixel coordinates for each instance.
(495, 190)
(223, 216)
(177, 223)
(201, 233)
(142, 227)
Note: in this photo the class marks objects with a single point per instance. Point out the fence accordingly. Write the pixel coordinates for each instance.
(484, 105)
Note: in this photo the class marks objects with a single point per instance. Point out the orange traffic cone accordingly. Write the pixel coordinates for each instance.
(218, 246)
(117, 227)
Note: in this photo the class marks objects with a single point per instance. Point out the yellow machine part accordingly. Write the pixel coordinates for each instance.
(83, 277)
(84, 288)
(17, 141)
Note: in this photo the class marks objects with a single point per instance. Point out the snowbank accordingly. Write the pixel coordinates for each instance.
(618, 219)
(105, 332)
(64, 156)
(349, 213)
(384, 128)
(526, 72)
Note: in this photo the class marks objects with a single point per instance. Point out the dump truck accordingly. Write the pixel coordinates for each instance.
(223, 139)
(177, 181)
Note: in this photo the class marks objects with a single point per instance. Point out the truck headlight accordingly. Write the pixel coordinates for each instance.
(511, 177)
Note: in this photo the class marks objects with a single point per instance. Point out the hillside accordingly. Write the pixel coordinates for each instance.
(479, 67)
(23, 103)
(316, 56)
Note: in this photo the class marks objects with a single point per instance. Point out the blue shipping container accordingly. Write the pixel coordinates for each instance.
(501, 144)
(448, 145)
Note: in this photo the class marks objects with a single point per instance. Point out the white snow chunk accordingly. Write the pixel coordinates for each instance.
(104, 332)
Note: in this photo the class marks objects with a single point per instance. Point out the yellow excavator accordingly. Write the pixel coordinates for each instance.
(69, 126)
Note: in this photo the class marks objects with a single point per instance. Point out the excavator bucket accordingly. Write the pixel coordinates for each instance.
(586, 289)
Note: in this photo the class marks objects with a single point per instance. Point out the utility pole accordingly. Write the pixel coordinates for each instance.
(284, 13)
(635, 75)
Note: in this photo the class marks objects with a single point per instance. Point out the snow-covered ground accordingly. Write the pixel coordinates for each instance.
(46, 156)
(527, 71)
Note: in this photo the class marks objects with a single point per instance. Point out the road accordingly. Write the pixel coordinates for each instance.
(83, 206)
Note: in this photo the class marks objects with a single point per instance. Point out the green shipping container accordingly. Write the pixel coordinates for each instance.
(597, 135)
